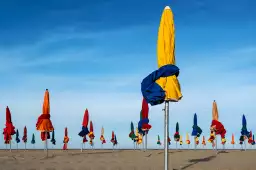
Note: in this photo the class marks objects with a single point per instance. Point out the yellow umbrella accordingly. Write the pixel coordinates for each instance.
(215, 114)
(166, 55)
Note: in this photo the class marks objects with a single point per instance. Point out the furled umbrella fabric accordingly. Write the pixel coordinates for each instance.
(33, 141)
(216, 125)
(85, 130)
(250, 140)
(17, 136)
(169, 140)
(53, 140)
(177, 134)
(44, 124)
(196, 129)
(181, 141)
(197, 140)
(25, 137)
(253, 140)
(102, 139)
(9, 129)
(66, 139)
(212, 138)
(132, 134)
(91, 133)
(115, 143)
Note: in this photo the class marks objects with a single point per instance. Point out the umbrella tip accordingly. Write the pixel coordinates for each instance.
(167, 7)
(46, 89)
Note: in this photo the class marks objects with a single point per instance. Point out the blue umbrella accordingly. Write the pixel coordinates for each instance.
(17, 137)
(196, 129)
(244, 131)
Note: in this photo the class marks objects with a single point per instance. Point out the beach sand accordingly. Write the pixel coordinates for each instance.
(127, 160)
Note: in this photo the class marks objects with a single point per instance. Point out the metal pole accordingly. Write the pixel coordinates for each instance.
(195, 142)
(166, 132)
(46, 144)
(146, 141)
(82, 146)
(10, 145)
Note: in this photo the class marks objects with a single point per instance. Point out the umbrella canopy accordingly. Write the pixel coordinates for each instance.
(17, 136)
(169, 140)
(53, 138)
(44, 123)
(66, 139)
(177, 134)
(102, 136)
(85, 130)
(250, 140)
(115, 141)
(33, 141)
(113, 138)
(158, 140)
(216, 125)
(9, 129)
(143, 123)
(196, 129)
(244, 131)
(187, 139)
(253, 140)
(233, 139)
(25, 137)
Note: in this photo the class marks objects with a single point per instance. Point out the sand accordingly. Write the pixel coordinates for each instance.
(126, 160)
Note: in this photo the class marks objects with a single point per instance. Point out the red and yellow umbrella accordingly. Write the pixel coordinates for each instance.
(102, 136)
(203, 142)
(113, 137)
(91, 134)
(233, 139)
(66, 139)
(9, 129)
(44, 123)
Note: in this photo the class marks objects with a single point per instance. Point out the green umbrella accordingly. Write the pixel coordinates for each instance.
(33, 141)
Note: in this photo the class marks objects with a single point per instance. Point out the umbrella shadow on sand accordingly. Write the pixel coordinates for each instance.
(196, 161)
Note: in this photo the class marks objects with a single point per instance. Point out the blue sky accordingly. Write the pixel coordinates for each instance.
(94, 54)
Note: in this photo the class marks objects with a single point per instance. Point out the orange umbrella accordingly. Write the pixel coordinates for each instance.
(44, 123)
(203, 142)
(66, 139)
(233, 140)
(91, 134)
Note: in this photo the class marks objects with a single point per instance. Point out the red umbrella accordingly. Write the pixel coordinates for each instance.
(91, 134)
(24, 138)
(66, 140)
(9, 129)
(113, 138)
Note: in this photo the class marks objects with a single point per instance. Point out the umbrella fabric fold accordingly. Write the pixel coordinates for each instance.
(197, 140)
(169, 140)
(44, 123)
(187, 139)
(212, 138)
(33, 141)
(66, 140)
(102, 139)
(85, 130)
(9, 129)
(53, 138)
(115, 143)
(177, 134)
(153, 93)
(91, 134)
(17, 136)
(196, 129)
(25, 138)
(253, 140)
(85, 139)
(250, 140)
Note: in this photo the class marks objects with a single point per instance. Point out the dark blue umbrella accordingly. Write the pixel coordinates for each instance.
(17, 136)
(244, 131)
(196, 129)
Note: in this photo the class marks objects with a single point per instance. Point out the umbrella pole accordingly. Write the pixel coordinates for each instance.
(166, 132)
(17, 147)
(146, 140)
(245, 145)
(25, 147)
(46, 144)
(133, 145)
(82, 146)
(195, 142)
(10, 145)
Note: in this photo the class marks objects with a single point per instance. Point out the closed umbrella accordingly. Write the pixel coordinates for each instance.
(44, 124)
(203, 142)
(91, 134)
(187, 140)
(53, 140)
(177, 134)
(102, 138)
(197, 131)
(113, 139)
(244, 132)
(25, 137)
(66, 139)
(33, 141)
(9, 129)
(233, 140)
(84, 130)
(132, 135)
(17, 138)
(158, 141)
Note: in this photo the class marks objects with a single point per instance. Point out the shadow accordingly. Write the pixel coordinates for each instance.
(148, 155)
(196, 161)
(170, 152)
(223, 152)
(91, 153)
